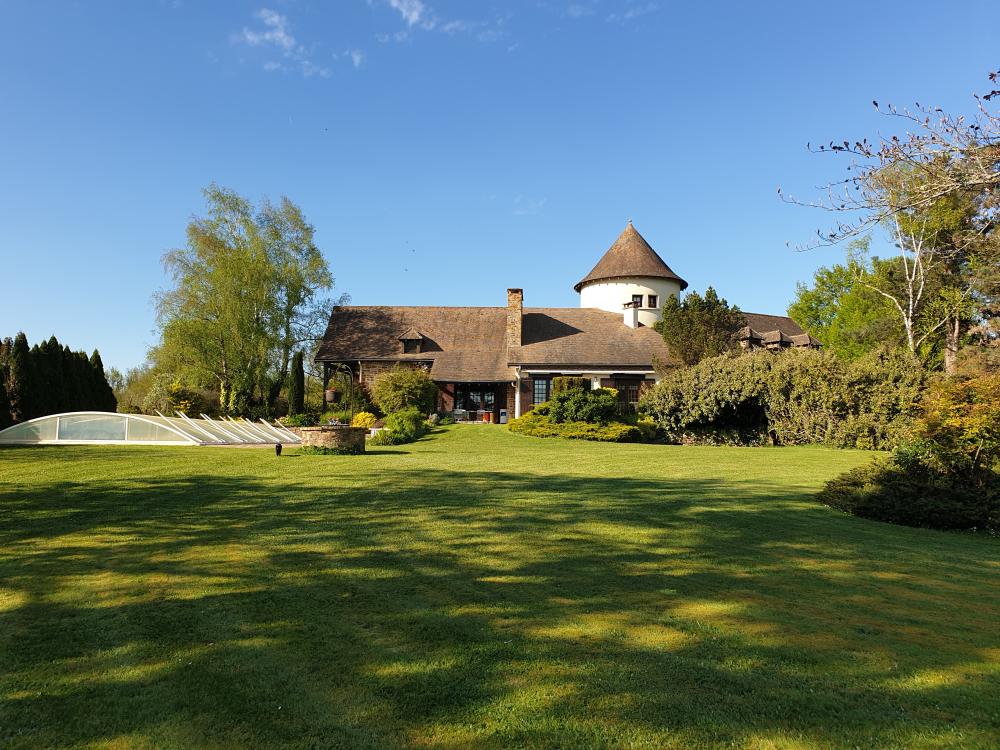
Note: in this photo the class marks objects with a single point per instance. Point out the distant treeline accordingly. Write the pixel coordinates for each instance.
(48, 378)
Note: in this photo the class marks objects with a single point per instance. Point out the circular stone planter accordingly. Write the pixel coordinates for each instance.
(338, 437)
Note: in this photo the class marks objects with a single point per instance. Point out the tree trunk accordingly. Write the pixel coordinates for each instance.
(952, 334)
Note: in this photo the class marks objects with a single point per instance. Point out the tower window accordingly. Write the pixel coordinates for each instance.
(637, 300)
(653, 300)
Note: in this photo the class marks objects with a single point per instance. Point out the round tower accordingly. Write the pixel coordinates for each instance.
(630, 275)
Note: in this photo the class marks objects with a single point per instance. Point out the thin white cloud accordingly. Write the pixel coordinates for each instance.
(419, 16)
(274, 32)
(357, 57)
(633, 12)
(414, 12)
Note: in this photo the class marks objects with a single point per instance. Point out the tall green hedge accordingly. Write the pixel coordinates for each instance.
(792, 397)
(49, 378)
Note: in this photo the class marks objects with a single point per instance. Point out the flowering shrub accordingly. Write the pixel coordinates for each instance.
(363, 419)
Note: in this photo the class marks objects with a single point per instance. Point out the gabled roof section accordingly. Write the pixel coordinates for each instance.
(411, 334)
(630, 255)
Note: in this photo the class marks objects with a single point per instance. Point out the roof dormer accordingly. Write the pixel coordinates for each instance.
(412, 341)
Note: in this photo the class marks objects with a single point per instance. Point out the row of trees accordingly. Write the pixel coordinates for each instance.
(49, 378)
(934, 191)
(247, 298)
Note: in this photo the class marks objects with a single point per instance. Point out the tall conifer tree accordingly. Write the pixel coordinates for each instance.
(19, 390)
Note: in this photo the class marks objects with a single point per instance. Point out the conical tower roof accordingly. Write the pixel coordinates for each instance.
(630, 255)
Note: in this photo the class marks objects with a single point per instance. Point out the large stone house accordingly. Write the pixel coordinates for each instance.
(488, 360)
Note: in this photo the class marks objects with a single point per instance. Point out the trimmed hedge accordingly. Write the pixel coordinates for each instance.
(542, 425)
(319, 450)
(791, 398)
(599, 406)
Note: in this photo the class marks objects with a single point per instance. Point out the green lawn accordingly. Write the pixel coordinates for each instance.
(481, 589)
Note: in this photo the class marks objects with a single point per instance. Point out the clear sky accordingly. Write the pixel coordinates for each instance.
(443, 150)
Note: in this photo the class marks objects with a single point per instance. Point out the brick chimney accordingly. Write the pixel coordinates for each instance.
(515, 310)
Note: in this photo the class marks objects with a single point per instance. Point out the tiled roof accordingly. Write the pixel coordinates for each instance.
(630, 255)
(469, 341)
(467, 344)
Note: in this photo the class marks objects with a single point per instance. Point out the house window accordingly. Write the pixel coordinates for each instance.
(653, 299)
(411, 346)
(542, 388)
(637, 300)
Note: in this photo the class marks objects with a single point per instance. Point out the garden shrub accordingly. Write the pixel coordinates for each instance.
(540, 425)
(305, 419)
(364, 419)
(947, 477)
(402, 388)
(597, 406)
(791, 397)
(406, 425)
(720, 400)
(961, 424)
(913, 493)
(383, 437)
(567, 383)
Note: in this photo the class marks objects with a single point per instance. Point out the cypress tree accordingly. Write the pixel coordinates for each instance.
(4, 402)
(75, 386)
(5, 347)
(49, 381)
(103, 394)
(296, 385)
(19, 386)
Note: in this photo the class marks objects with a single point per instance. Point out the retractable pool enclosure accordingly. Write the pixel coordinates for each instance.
(101, 427)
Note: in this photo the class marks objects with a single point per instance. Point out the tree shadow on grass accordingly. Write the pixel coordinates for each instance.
(484, 608)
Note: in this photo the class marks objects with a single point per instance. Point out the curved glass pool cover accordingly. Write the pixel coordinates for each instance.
(102, 427)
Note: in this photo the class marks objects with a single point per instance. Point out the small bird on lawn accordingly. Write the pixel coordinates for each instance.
(277, 449)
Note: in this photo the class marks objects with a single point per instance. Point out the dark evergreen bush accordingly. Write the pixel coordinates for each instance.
(947, 477)
(597, 407)
(911, 493)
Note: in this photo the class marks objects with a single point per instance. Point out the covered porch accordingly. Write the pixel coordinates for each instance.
(485, 401)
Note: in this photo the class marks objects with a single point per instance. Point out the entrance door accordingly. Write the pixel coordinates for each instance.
(476, 398)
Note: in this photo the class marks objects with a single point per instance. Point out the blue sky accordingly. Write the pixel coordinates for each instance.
(443, 150)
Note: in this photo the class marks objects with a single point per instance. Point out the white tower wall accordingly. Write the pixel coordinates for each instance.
(611, 295)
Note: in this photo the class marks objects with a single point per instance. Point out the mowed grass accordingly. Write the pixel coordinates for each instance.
(481, 589)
